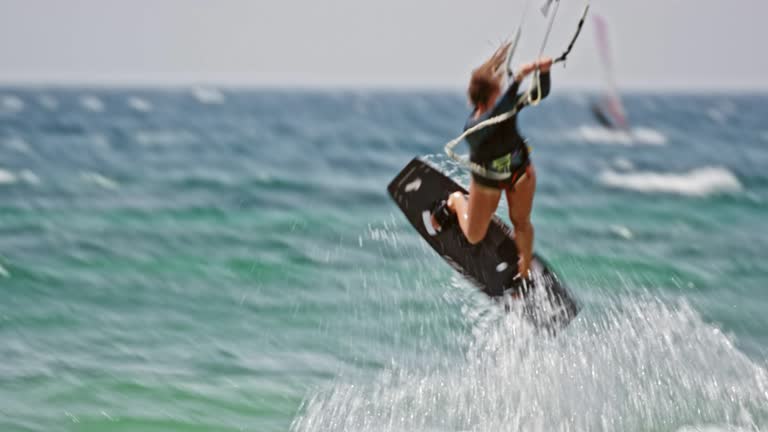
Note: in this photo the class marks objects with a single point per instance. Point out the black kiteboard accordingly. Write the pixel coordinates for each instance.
(491, 265)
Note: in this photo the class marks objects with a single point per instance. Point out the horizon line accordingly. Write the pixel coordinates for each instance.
(353, 86)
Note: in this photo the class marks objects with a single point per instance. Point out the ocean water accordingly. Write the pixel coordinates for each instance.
(228, 260)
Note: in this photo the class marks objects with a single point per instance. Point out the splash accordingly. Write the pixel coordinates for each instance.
(643, 365)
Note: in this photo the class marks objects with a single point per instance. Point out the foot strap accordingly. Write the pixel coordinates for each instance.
(443, 215)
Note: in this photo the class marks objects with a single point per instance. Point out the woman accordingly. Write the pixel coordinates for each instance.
(500, 150)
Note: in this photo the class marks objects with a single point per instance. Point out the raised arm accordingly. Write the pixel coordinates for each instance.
(543, 64)
(508, 100)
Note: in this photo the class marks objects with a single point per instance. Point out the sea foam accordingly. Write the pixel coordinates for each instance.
(634, 136)
(697, 182)
(139, 104)
(208, 95)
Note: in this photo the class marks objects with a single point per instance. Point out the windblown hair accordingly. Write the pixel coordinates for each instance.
(482, 85)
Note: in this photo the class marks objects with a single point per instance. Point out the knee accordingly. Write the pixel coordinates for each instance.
(476, 236)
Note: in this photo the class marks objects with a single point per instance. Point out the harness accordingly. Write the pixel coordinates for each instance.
(522, 101)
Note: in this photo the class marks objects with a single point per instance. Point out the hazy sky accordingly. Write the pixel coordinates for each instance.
(394, 43)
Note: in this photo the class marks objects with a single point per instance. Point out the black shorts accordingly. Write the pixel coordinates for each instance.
(515, 163)
(507, 184)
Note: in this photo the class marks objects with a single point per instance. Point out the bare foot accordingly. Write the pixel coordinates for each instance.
(451, 204)
(523, 267)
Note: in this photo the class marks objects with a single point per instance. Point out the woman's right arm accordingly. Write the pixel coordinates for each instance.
(510, 97)
(543, 65)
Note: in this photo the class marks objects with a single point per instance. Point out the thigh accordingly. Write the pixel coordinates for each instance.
(483, 202)
(520, 200)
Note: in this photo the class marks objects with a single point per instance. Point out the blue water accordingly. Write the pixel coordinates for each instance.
(179, 260)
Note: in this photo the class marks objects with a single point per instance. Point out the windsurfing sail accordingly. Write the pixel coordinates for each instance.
(609, 110)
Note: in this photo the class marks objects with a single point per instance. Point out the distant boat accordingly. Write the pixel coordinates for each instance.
(608, 110)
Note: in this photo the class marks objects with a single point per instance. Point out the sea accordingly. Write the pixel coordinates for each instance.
(226, 259)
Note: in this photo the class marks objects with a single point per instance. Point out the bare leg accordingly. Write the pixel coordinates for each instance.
(475, 214)
(520, 203)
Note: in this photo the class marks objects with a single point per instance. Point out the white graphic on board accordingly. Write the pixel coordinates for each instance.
(413, 186)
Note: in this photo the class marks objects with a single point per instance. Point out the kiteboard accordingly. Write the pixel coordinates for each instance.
(491, 265)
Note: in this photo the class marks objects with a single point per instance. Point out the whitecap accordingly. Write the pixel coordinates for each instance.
(716, 115)
(4, 273)
(648, 136)
(623, 164)
(164, 137)
(99, 180)
(722, 111)
(263, 177)
(697, 182)
(48, 102)
(139, 104)
(16, 144)
(622, 231)
(7, 177)
(208, 95)
(12, 104)
(29, 177)
(92, 103)
(601, 135)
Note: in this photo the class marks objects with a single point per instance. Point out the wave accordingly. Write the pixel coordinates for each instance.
(99, 180)
(635, 136)
(645, 365)
(48, 102)
(139, 104)
(698, 182)
(208, 95)
(723, 112)
(16, 144)
(11, 104)
(623, 164)
(7, 177)
(27, 176)
(92, 103)
(164, 137)
(621, 231)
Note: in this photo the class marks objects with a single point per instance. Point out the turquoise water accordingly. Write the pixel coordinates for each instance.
(177, 260)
